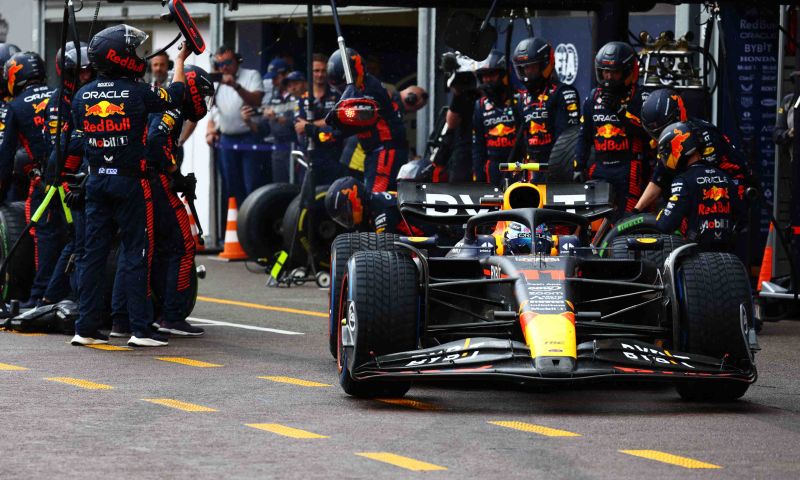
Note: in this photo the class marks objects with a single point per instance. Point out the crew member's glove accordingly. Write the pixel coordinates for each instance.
(74, 198)
(183, 184)
(612, 102)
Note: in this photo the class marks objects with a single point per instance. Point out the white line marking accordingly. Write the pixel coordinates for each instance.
(204, 321)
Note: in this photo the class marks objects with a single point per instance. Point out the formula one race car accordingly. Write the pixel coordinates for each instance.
(558, 313)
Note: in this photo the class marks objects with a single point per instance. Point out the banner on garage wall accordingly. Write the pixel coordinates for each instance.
(748, 92)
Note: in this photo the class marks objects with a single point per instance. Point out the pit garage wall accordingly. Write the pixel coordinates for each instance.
(748, 99)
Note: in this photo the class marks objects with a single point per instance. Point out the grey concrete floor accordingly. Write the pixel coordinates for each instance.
(62, 430)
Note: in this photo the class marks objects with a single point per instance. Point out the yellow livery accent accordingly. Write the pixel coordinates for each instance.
(550, 335)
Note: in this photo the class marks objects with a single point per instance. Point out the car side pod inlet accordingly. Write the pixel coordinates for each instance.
(551, 338)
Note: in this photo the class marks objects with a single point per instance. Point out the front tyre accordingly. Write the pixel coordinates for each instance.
(714, 294)
(380, 317)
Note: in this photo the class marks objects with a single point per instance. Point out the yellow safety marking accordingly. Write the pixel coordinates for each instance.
(38, 334)
(189, 362)
(285, 431)
(110, 348)
(296, 381)
(405, 402)
(80, 383)
(185, 406)
(402, 462)
(262, 307)
(663, 457)
(529, 427)
(6, 366)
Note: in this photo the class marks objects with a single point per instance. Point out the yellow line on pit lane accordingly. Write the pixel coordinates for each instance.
(110, 348)
(539, 429)
(177, 404)
(189, 362)
(295, 381)
(669, 458)
(81, 383)
(9, 367)
(405, 402)
(401, 461)
(279, 429)
(262, 307)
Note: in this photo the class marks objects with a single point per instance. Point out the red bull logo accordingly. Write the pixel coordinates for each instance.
(104, 109)
(38, 107)
(128, 63)
(610, 131)
(676, 148)
(501, 130)
(12, 75)
(715, 193)
(536, 128)
(325, 137)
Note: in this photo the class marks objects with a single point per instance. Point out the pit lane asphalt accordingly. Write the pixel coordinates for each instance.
(63, 430)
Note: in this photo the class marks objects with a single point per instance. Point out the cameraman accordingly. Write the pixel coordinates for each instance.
(242, 170)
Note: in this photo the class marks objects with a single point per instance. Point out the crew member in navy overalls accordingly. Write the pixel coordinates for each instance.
(173, 260)
(548, 106)
(113, 113)
(664, 107)
(385, 143)
(493, 123)
(64, 281)
(322, 140)
(703, 204)
(25, 74)
(610, 124)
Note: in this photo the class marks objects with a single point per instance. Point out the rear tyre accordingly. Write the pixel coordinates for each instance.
(21, 270)
(324, 228)
(381, 312)
(641, 223)
(342, 249)
(712, 320)
(561, 163)
(258, 225)
(619, 247)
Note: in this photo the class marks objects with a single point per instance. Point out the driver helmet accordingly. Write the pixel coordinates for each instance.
(345, 202)
(517, 239)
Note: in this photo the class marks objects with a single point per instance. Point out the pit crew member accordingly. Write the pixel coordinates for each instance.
(703, 203)
(112, 112)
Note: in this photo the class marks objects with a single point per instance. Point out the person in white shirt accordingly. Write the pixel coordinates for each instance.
(240, 153)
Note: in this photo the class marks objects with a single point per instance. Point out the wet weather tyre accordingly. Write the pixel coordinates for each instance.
(342, 248)
(381, 311)
(619, 247)
(561, 163)
(21, 269)
(641, 223)
(325, 230)
(711, 319)
(258, 225)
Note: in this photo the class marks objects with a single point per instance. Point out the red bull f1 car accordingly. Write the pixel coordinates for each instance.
(560, 314)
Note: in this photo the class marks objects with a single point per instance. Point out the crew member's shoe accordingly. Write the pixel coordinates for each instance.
(148, 340)
(95, 338)
(180, 329)
(120, 331)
